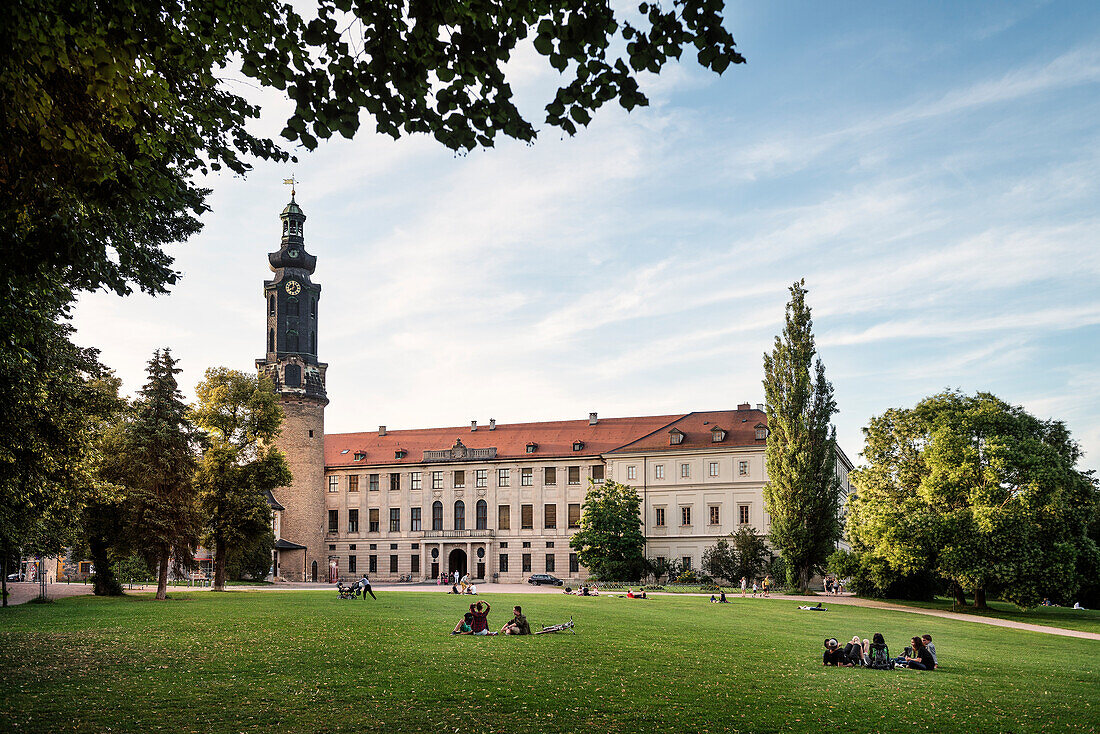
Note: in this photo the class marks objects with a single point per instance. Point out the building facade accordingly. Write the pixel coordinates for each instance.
(498, 501)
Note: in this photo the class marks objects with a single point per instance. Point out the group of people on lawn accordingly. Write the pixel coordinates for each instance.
(476, 622)
(920, 655)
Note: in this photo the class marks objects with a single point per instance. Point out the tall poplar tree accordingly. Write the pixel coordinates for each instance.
(802, 494)
(240, 417)
(161, 514)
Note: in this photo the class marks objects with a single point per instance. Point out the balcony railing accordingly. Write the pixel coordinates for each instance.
(458, 533)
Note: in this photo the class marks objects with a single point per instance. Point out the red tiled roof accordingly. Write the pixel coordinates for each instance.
(740, 426)
(554, 438)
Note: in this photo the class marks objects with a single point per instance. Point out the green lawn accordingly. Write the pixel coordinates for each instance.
(308, 662)
(1087, 620)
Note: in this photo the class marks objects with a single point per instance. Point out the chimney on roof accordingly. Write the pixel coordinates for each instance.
(592, 419)
(473, 426)
(381, 430)
(744, 406)
(492, 424)
(760, 407)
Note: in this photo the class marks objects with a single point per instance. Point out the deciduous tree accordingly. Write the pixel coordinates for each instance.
(802, 494)
(240, 417)
(610, 542)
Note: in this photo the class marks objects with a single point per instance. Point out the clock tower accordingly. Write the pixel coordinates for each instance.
(291, 301)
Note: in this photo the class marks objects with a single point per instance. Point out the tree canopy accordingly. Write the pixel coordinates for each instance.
(610, 542)
(802, 493)
(979, 492)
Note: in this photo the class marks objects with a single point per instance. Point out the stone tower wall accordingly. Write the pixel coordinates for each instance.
(303, 520)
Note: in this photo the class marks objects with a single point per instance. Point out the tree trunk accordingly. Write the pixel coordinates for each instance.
(219, 564)
(979, 599)
(106, 583)
(4, 575)
(804, 579)
(959, 594)
(162, 579)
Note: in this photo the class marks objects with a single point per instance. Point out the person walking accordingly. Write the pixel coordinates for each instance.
(744, 585)
(364, 587)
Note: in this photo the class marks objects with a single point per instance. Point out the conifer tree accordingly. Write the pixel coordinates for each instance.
(162, 520)
(802, 494)
(240, 418)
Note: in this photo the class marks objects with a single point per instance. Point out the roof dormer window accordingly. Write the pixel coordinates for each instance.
(717, 435)
(400, 454)
(675, 437)
(532, 447)
(578, 445)
(761, 431)
(360, 455)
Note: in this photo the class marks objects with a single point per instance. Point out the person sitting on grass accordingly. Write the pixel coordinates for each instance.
(713, 599)
(480, 624)
(927, 640)
(518, 625)
(878, 655)
(464, 625)
(833, 654)
(722, 597)
(920, 658)
(853, 651)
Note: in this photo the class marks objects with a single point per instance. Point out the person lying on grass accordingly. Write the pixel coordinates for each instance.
(464, 626)
(631, 595)
(480, 624)
(518, 625)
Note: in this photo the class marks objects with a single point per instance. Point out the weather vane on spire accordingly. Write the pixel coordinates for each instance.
(292, 182)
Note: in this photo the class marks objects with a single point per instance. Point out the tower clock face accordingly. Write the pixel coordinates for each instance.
(293, 287)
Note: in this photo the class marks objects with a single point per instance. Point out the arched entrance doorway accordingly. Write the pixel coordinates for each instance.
(457, 562)
(314, 574)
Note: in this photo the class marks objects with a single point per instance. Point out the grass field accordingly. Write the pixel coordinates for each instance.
(308, 662)
(1087, 620)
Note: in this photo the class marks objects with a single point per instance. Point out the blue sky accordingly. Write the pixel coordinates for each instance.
(930, 170)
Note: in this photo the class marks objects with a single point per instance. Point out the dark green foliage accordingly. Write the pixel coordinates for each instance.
(610, 541)
(251, 562)
(979, 492)
(743, 555)
(663, 567)
(240, 417)
(720, 561)
(802, 494)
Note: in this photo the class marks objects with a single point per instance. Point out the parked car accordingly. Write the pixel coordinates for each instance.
(17, 576)
(538, 579)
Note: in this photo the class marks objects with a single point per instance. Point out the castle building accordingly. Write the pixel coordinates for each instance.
(499, 501)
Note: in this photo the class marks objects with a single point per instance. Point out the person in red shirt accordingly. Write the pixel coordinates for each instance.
(480, 624)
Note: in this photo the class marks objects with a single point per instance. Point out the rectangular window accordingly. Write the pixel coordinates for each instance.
(526, 477)
(502, 477)
(550, 517)
(504, 517)
(437, 480)
(460, 479)
(685, 471)
(574, 475)
(743, 468)
(574, 515)
(395, 482)
(482, 477)
(393, 564)
(574, 565)
(353, 521)
(372, 520)
(550, 476)
(351, 565)
(372, 564)
(414, 518)
(526, 563)
(526, 544)
(353, 482)
(686, 562)
(414, 479)
(743, 514)
(685, 515)
(659, 471)
(660, 521)
(714, 468)
(597, 473)
(414, 563)
(549, 563)
(85, 567)
(714, 515)
(502, 562)
(632, 472)
(372, 480)
(333, 520)
(395, 519)
(527, 516)
(334, 483)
